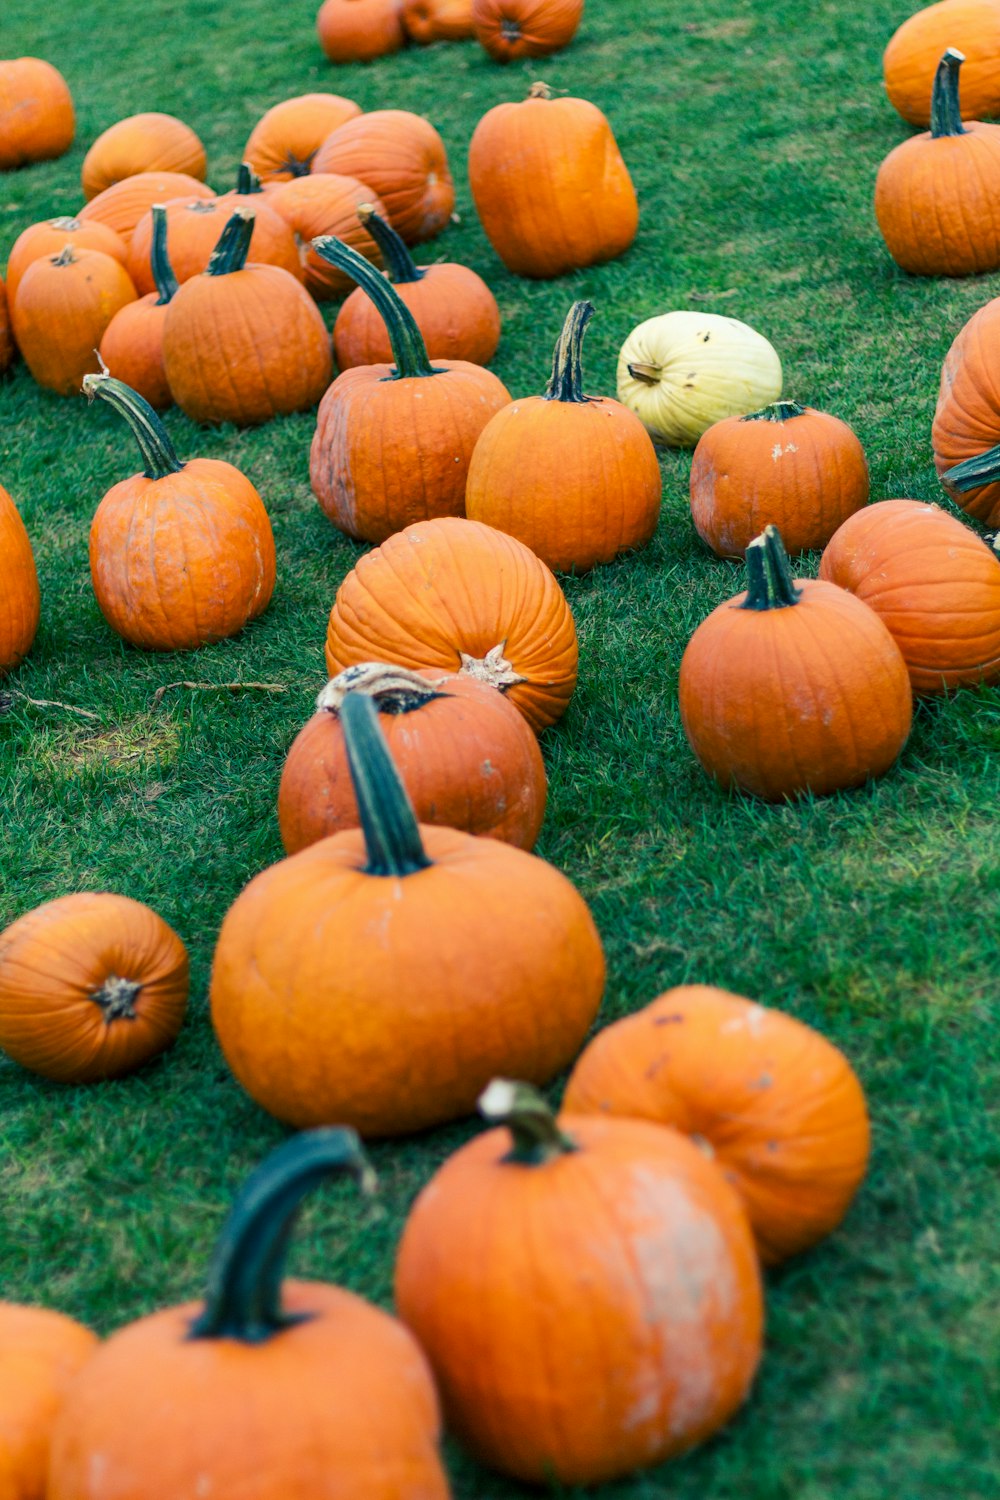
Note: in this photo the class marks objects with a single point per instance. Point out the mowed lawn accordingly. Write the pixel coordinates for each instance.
(753, 133)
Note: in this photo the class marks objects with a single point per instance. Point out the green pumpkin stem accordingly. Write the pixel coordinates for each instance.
(392, 837)
(163, 272)
(408, 348)
(536, 1133)
(395, 256)
(972, 472)
(158, 453)
(770, 581)
(946, 111)
(230, 254)
(247, 181)
(778, 411)
(243, 1298)
(566, 380)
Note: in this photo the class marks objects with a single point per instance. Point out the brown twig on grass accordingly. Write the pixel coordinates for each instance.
(219, 687)
(70, 708)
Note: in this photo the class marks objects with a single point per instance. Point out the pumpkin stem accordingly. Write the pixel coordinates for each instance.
(537, 1137)
(541, 91)
(408, 348)
(396, 690)
(778, 411)
(392, 836)
(116, 997)
(158, 453)
(771, 585)
(494, 669)
(648, 374)
(946, 111)
(566, 380)
(247, 181)
(972, 472)
(68, 225)
(243, 1299)
(230, 254)
(66, 256)
(395, 256)
(163, 272)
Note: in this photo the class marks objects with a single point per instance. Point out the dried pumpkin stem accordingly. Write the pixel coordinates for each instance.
(408, 348)
(778, 411)
(230, 254)
(494, 669)
(540, 91)
(392, 836)
(67, 225)
(566, 380)
(648, 374)
(243, 1299)
(66, 256)
(537, 1137)
(395, 690)
(117, 998)
(946, 109)
(163, 272)
(158, 453)
(247, 181)
(770, 582)
(972, 472)
(395, 256)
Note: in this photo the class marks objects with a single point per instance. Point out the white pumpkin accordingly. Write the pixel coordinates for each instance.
(683, 371)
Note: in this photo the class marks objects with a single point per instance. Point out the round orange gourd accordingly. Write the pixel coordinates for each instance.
(121, 206)
(587, 1292)
(333, 1396)
(402, 158)
(778, 1106)
(787, 465)
(132, 346)
(91, 986)
(966, 431)
(438, 20)
(53, 235)
(933, 583)
(37, 121)
(513, 29)
(8, 349)
(454, 309)
(381, 977)
(63, 305)
(913, 53)
(360, 30)
(284, 141)
(142, 143)
(569, 204)
(467, 758)
(325, 204)
(793, 687)
(574, 477)
(20, 601)
(41, 1351)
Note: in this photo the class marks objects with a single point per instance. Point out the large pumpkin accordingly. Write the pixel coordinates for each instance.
(284, 141)
(587, 1291)
(382, 977)
(402, 158)
(438, 20)
(793, 687)
(267, 1388)
(912, 56)
(52, 235)
(360, 30)
(194, 227)
(778, 1106)
(63, 305)
(327, 205)
(132, 346)
(20, 600)
(456, 596)
(966, 431)
(513, 29)
(41, 1352)
(121, 206)
(142, 143)
(37, 121)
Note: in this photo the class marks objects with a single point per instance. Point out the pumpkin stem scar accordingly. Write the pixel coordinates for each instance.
(946, 110)
(408, 348)
(983, 469)
(566, 380)
(158, 452)
(117, 997)
(493, 668)
(396, 690)
(537, 1137)
(648, 374)
(391, 833)
(770, 582)
(395, 256)
(163, 272)
(778, 411)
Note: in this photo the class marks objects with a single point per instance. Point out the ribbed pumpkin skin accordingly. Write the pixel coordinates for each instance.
(912, 56)
(933, 583)
(41, 1352)
(194, 226)
(121, 206)
(438, 20)
(455, 311)
(326, 203)
(284, 141)
(20, 600)
(550, 186)
(512, 29)
(805, 475)
(57, 957)
(53, 235)
(7, 346)
(61, 312)
(967, 417)
(402, 158)
(37, 121)
(360, 30)
(142, 143)
(589, 1316)
(132, 349)
(780, 1107)
(444, 588)
(937, 202)
(314, 1379)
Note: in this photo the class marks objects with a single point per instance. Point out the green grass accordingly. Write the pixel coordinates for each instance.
(753, 134)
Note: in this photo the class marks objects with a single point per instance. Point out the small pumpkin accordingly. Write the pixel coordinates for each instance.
(63, 305)
(586, 1289)
(20, 600)
(429, 21)
(349, 1401)
(966, 431)
(286, 138)
(786, 465)
(937, 195)
(550, 185)
(512, 29)
(41, 1352)
(37, 120)
(393, 442)
(793, 687)
(132, 346)
(402, 158)
(913, 54)
(456, 596)
(181, 554)
(360, 30)
(91, 986)
(243, 343)
(8, 349)
(142, 143)
(454, 309)
(53, 235)
(325, 204)
(467, 758)
(381, 977)
(574, 477)
(121, 206)
(778, 1107)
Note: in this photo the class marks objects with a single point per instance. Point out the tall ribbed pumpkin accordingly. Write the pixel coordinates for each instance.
(20, 599)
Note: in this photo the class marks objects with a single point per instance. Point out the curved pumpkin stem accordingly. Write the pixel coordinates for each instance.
(408, 348)
(946, 110)
(541, 91)
(395, 255)
(537, 1137)
(230, 254)
(770, 583)
(392, 836)
(566, 380)
(243, 1299)
(778, 411)
(158, 453)
(247, 181)
(395, 690)
(163, 272)
(972, 472)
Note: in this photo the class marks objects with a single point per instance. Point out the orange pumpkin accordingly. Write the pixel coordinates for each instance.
(550, 186)
(142, 143)
(121, 206)
(512, 29)
(243, 343)
(789, 466)
(360, 30)
(778, 1107)
(456, 596)
(587, 1292)
(793, 687)
(915, 49)
(41, 1352)
(8, 349)
(194, 227)
(454, 309)
(467, 758)
(576, 478)
(325, 204)
(91, 987)
(349, 1401)
(403, 160)
(966, 431)
(20, 601)
(37, 121)
(284, 141)
(438, 20)
(63, 305)
(53, 235)
(132, 346)
(393, 442)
